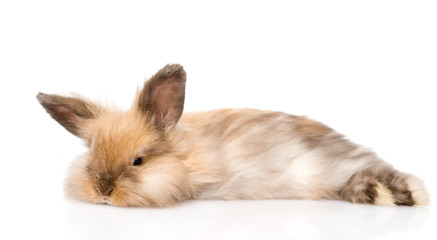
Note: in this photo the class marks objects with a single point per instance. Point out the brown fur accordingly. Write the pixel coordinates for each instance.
(219, 154)
(360, 188)
(310, 130)
(67, 111)
(397, 183)
(162, 97)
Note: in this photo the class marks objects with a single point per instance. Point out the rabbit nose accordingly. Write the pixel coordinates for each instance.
(105, 187)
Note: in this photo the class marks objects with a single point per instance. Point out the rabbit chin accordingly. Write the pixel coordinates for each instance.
(162, 183)
(80, 186)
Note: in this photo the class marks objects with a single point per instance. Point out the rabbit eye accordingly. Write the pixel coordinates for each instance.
(138, 161)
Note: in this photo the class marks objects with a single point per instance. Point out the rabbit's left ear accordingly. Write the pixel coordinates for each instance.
(162, 97)
(72, 113)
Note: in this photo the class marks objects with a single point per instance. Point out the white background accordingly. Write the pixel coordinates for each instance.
(365, 68)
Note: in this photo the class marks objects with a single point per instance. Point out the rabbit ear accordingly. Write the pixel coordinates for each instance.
(162, 97)
(70, 112)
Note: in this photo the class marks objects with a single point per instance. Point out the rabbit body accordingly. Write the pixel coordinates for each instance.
(272, 155)
(153, 156)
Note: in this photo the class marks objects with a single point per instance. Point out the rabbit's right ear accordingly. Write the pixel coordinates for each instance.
(162, 97)
(72, 113)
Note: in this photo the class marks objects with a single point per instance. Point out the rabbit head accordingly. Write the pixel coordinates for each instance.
(131, 161)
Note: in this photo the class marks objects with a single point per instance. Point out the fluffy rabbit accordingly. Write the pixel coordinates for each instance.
(153, 156)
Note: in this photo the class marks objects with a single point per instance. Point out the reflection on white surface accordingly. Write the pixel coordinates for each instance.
(270, 219)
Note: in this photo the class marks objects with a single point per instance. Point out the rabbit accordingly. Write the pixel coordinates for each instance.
(153, 155)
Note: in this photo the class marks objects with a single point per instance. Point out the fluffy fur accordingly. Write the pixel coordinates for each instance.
(220, 154)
